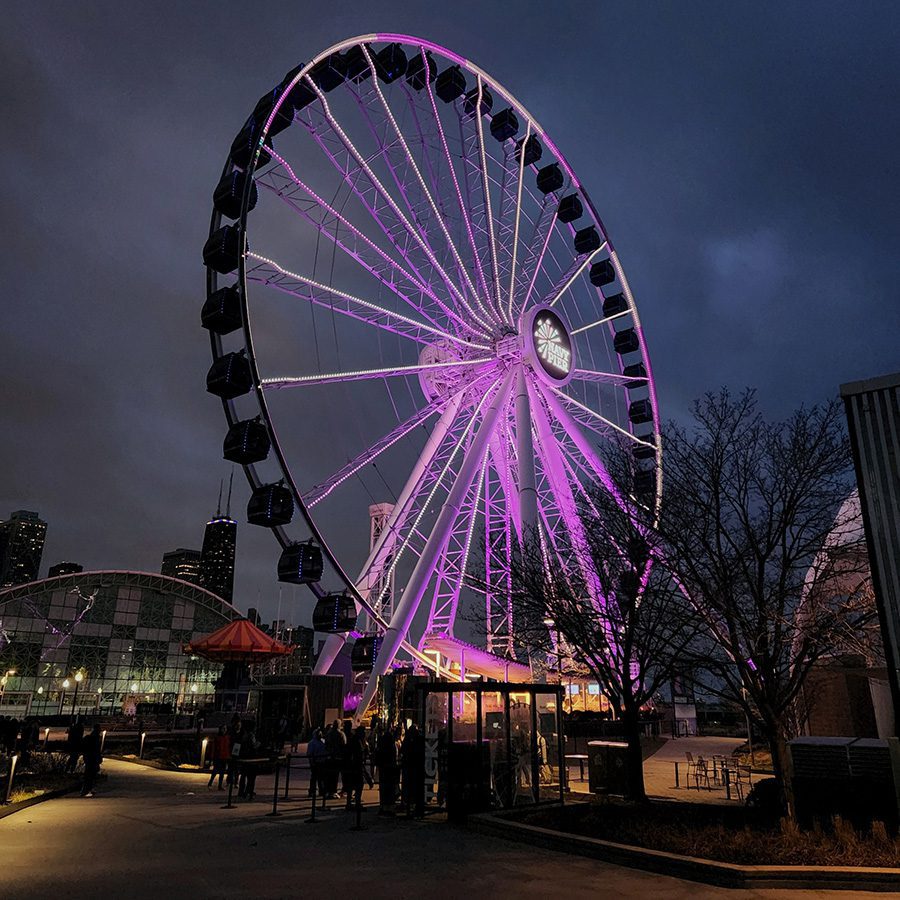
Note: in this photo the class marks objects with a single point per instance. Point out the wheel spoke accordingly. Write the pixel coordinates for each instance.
(464, 212)
(485, 183)
(608, 377)
(272, 274)
(515, 239)
(364, 374)
(435, 211)
(334, 226)
(387, 199)
(579, 264)
(603, 321)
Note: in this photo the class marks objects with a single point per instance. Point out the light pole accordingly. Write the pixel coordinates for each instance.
(62, 700)
(78, 679)
(3, 681)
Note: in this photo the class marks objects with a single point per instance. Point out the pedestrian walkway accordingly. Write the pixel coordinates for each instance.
(150, 834)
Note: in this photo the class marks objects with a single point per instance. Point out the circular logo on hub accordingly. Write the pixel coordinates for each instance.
(548, 346)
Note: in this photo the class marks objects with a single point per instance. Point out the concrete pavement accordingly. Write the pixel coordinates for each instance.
(155, 834)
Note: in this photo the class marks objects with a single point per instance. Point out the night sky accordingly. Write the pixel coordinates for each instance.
(742, 156)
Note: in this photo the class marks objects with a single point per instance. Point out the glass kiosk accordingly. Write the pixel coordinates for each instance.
(491, 745)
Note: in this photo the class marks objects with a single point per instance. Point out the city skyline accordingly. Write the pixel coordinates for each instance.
(748, 204)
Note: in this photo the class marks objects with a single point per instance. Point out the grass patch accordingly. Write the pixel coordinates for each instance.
(732, 835)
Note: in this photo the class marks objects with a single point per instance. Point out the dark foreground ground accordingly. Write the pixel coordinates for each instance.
(155, 834)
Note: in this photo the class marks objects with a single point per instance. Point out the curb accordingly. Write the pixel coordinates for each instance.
(706, 871)
(33, 801)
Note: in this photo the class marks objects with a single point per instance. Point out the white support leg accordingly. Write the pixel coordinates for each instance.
(405, 610)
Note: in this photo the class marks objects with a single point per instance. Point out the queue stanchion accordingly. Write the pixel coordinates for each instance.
(312, 816)
(275, 791)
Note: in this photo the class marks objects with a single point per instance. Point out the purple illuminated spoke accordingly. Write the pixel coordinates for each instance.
(604, 321)
(606, 377)
(365, 374)
(579, 264)
(371, 453)
(485, 183)
(432, 207)
(515, 236)
(464, 211)
(335, 227)
(269, 273)
(571, 401)
(410, 230)
(540, 241)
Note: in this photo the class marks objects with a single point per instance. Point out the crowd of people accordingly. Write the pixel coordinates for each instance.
(342, 759)
(19, 735)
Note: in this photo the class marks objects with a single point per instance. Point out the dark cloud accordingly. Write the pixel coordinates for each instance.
(743, 157)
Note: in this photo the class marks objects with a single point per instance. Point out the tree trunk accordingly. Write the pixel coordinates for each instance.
(781, 763)
(631, 725)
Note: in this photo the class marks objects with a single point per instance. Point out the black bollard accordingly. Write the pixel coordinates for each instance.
(676, 775)
(287, 777)
(275, 791)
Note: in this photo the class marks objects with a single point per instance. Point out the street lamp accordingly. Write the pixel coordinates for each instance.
(78, 679)
(3, 681)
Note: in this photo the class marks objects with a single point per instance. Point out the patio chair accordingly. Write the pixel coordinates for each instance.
(691, 767)
(701, 773)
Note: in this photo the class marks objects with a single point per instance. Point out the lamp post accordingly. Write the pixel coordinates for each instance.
(3, 681)
(78, 679)
(62, 700)
(193, 698)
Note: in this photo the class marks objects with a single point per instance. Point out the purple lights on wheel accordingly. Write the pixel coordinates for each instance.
(432, 316)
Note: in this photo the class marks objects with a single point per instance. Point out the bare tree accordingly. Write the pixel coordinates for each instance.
(604, 606)
(749, 507)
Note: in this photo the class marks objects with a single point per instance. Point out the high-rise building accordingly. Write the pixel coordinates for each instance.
(217, 557)
(64, 568)
(21, 547)
(182, 563)
(253, 615)
(873, 416)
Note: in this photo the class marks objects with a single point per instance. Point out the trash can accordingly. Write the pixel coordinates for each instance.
(607, 773)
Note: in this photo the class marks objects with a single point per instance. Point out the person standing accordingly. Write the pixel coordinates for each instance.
(412, 754)
(334, 746)
(221, 756)
(386, 760)
(247, 781)
(90, 749)
(236, 735)
(317, 756)
(74, 738)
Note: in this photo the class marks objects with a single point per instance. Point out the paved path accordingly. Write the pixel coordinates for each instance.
(153, 834)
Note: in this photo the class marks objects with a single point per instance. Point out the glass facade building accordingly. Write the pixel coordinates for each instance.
(123, 631)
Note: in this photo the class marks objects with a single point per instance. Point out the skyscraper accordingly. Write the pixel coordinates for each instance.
(182, 563)
(21, 547)
(217, 556)
(873, 414)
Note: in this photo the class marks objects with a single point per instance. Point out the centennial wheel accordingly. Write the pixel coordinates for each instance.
(414, 307)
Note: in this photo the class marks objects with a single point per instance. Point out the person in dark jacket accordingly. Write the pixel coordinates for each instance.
(74, 739)
(221, 756)
(412, 761)
(386, 760)
(90, 749)
(355, 766)
(249, 749)
(334, 746)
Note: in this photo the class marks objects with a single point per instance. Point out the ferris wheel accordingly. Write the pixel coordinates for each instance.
(414, 306)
